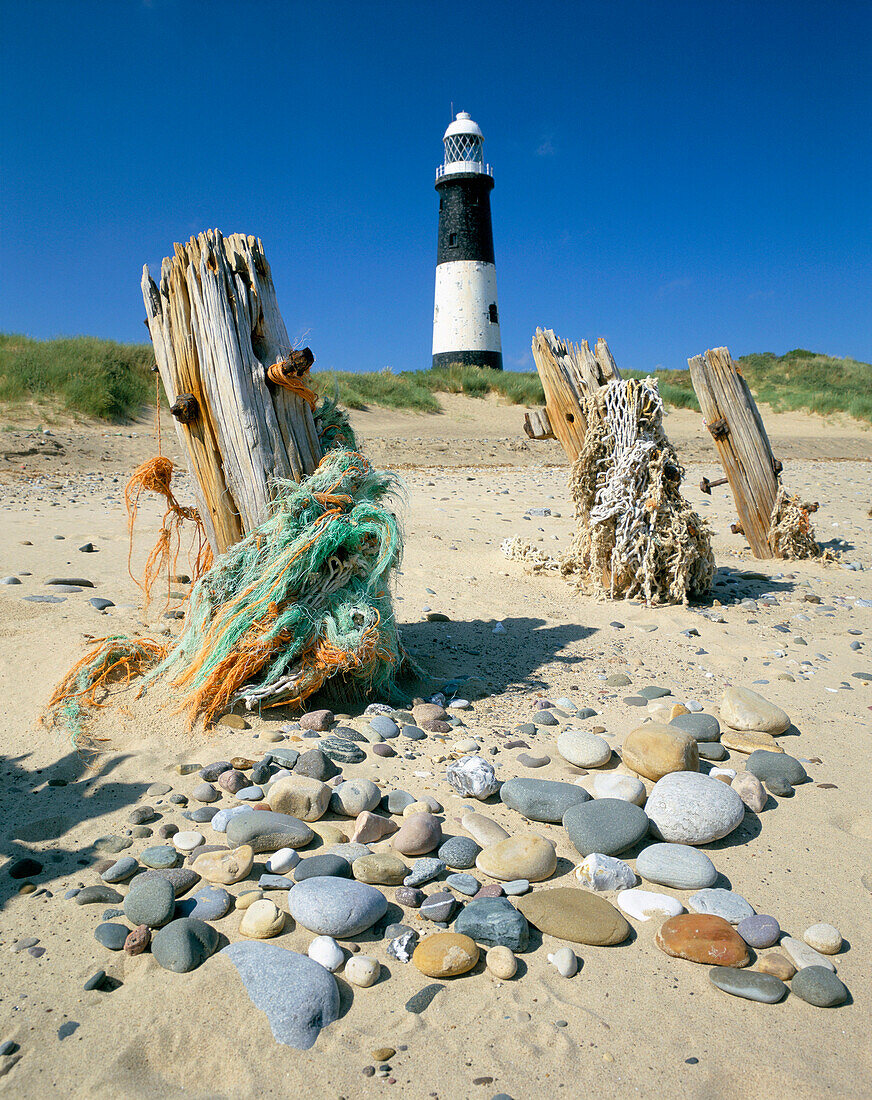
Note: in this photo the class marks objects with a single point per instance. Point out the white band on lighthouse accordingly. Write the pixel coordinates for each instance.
(465, 315)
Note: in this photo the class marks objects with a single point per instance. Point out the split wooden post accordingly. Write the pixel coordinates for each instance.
(569, 373)
(732, 417)
(216, 329)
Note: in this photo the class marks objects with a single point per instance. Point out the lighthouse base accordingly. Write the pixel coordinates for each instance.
(490, 359)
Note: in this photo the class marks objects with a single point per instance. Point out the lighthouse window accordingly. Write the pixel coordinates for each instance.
(492, 313)
(452, 239)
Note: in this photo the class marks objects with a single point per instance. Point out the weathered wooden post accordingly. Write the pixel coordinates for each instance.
(236, 387)
(569, 373)
(735, 424)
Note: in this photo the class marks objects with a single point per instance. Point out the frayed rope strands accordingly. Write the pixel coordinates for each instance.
(636, 536)
(791, 534)
(112, 660)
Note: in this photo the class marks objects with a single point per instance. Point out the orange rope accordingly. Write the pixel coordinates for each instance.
(283, 373)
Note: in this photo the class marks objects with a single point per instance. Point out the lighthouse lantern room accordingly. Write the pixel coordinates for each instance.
(466, 325)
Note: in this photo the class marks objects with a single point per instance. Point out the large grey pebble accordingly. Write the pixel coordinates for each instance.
(542, 799)
(266, 831)
(692, 808)
(676, 865)
(336, 907)
(701, 726)
(726, 904)
(606, 825)
(150, 901)
(749, 984)
(818, 986)
(494, 922)
(459, 852)
(184, 944)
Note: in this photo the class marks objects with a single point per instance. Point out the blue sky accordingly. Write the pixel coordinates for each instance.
(670, 175)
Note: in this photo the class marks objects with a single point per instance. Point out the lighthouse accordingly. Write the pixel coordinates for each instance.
(466, 322)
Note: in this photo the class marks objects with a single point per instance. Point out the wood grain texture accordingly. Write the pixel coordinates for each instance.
(741, 441)
(216, 328)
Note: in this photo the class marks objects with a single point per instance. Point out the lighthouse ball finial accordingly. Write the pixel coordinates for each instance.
(466, 327)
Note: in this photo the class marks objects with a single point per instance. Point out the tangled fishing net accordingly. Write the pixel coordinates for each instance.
(791, 534)
(301, 603)
(635, 536)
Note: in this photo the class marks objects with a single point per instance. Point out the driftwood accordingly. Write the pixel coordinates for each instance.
(216, 329)
(735, 424)
(569, 373)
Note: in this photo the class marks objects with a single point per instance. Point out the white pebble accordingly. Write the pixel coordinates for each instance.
(730, 773)
(801, 955)
(565, 961)
(362, 970)
(282, 861)
(598, 872)
(626, 787)
(326, 951)
(644, 904)
(824, 938)
(188, 840)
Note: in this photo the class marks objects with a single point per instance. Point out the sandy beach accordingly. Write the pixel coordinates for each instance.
(632, 1021)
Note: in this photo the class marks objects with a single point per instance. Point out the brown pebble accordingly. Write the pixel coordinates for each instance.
(27, 888)
(242, 763)
(138, 940)
(233, 721)
(368, 1071)
(103, 865)
(167, 830)
(777, 965)
(491, 890)
(383, 1054)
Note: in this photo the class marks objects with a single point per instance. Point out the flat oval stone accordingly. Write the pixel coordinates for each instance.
(721, 903)
(111, 935)
(778, 965)
(459, 852)
(576, 915)
(655, 750)
(583, 749)
(463, 884)
(384, 726)
(701, 726)
(825, 938)
(776, 767)
(424, 870)
(182, 879)
(297, 994)
(222, 817)
(327, 865)
(380, 869)
(205, 792)
(445, 955)
(266, 831)
(676, 865)
(605, 825)
(353, 796)
(419, 833)
(150, 901)
(613, 785)
(750, 984)
(642, 905)
(410, 897)
(759, 931)
(210, 903)
(743, 709)
(336, 907)
(494, 922)
(542, 799)
(225, 867)
(702, 939)
(528, 857)
(818, 986)
(342, 751)
(801, 955)
(184, 944)
(121, 870)
(438, 906)
(690, 808)
(160, 857)
(262, 920)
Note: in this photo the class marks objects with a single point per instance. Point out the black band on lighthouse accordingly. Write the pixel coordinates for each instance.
(491, 359)
(465, 231)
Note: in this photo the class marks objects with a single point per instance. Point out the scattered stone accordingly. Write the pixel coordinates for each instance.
(750, 790)
(494, 922)
(95, 981)
(354, 796)
(282, 861)
(326, 951)
(120, 871)
(320, 720)
(326, 865)
(184, 944)
(564, 961)
(676, 865)
(336, 907)
(150, 901)
(702, 727)
(753, 985)
(459, 852)
(205, 792)
(267, 831)
(702, 939)
(605, 825)
(802, 955)
(542, 799)
(379, 869)
(576, 915)
(301, 797)
(419, 833)
(210, 903)
(626, 787)
(362, 971)
(501, 962)
(473, 776)
(159, 857)
(445, 955)
(602, 873)
(819, 986)
(583, 749)
(297, 994)
(403, 942)
(438, 907)
(643, 904)
(97, 895)
(655, 750)
(138, 940)
(262, 920)
(341, 751)
(314, 764)
(424, 870)
(776, 965)
(743, 709)
(189, 840)
(759, 931)
(484, 830)
(111, 935)
(182, 879)
(423, 998)
(721, 903)
(232, 721)
(528, 857)
(690, 808)
(711, 750)
(824, 938)
(463, 884)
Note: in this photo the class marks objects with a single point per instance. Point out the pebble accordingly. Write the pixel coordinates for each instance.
(819, 986)
(320, 720)
(743, 709)
(494, 922)
(528, 857)
(95, 981)
(369, 827)
(303, 798)
(362, 971)
(180, 878)
(583, 749)
(354, 796)
(515, 886)
(626, 787)
(297, 994)
(205, 815)
(380, 869)
(690, 808)
(644, 904)
(778, 771)
(802, 955)
(414, 733)
(438, 907)
(703, 939)
(225, 867)
(459, 852)
(749, 788)
(205, 792)
(758, 930)
(445, 955)
(654, 750)
(161, 856)
(336, 907)
(397, 801)
(542, 799)
(484, 830)
(605, 825)
(676, 865)
(402, 943)
(711, 750)
(121, 870)
(824, 938)
(383, 751)
(721, 903)
(112, 844)
(97, 895)
(111, 935)
(188, 840)
(601, 873)
(420, 833)
(752, 985)
(501, 962)
(703, 727)
(267, 831)
(313, 764)
(282, 861)
(473, 776)
(576, 915)
(564, 961)
(262, 920)
(150, 901)
(424, 870)
(209, 903)
(341, 751)
(141, 815)
(325, 865)
(326, 951)
(183, 944)
(384, 726)
(234, 782)
(463, 884)
(778, 965)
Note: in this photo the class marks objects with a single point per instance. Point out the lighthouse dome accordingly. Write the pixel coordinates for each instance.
(463, 142)
(463, 124)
